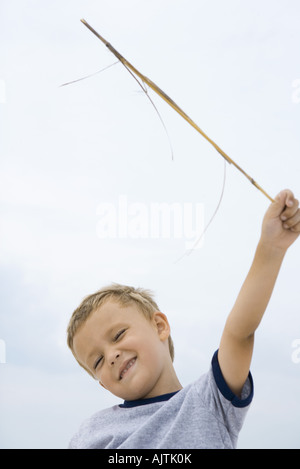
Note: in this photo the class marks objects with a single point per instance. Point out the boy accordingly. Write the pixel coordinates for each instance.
(122, 339)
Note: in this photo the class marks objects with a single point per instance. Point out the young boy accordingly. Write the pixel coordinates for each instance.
(122, 339)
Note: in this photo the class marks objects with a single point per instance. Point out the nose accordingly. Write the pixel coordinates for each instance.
(115, 358)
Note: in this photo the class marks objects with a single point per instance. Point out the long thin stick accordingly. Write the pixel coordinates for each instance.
(171, 103)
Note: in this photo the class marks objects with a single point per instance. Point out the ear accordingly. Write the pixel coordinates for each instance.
(162, 325)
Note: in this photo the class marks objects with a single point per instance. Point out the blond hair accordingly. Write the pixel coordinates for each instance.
(122, 294)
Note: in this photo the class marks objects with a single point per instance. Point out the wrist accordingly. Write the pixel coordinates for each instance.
(269, 250)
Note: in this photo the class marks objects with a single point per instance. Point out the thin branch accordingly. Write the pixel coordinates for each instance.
(171, 103)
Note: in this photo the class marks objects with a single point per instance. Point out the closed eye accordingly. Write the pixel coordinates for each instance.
(97, 363)
(119, 334)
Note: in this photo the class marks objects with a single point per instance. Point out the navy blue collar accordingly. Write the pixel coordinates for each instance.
(149, 400)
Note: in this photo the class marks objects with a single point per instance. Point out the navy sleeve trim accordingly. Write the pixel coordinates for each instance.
(224, 388)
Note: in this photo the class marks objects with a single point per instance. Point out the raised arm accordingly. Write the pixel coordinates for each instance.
(280, 228)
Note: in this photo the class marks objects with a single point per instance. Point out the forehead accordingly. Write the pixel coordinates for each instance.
(111, 310)
(110, 313)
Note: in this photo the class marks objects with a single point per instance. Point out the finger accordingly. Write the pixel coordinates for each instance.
(289, 202)
(296, 228)
(290, 210)
(276, 208)
(279, 205)
(287, 194)
(293, 221)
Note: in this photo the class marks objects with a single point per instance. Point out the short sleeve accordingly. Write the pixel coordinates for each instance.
(247, 391)
(223, 405)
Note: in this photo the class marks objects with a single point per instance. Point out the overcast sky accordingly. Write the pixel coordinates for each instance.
(85, 167)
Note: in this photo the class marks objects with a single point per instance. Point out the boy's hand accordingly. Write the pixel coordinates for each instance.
(281, 223)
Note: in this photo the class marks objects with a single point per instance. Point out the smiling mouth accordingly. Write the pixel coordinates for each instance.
(127, 367)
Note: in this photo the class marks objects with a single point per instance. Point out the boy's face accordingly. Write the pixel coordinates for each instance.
(127, 352)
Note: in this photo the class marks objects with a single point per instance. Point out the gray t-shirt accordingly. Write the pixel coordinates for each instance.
(203, 415)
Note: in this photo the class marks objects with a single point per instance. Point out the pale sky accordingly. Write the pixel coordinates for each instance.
(72, 155)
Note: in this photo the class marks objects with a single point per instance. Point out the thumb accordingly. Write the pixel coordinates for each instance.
(282, 200)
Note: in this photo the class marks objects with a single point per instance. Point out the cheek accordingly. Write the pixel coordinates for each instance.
(150, 350)
(140, 341)
(101, 376)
